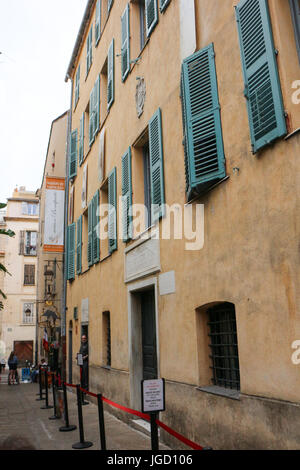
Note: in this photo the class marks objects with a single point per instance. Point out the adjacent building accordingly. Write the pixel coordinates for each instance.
(186, 115)
(18, 317)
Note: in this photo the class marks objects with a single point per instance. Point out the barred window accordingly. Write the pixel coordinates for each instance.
(29, 274)
(28, 313)
(106, 335)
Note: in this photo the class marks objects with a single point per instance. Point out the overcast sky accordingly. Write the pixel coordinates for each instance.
(36, 41)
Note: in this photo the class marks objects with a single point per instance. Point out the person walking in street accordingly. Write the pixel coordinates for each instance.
(2, 365)
(84, 367)
(12, 364)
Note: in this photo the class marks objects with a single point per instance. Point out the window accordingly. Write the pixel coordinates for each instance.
(94, 111)
(151, 15)
(79, 246)
(81, 140)
(295, 11)
(126, 195)
(142, 23)
(223, 346)
(71, 251)
(262, 86)
(147, 185)
(30, 208)
(73, 154)
(110, 75)
(125, 46)
(77, 84)
(202, 132)
(93, 238)
(29, 275)
(89, 50)
(106, 339)
(28, 313)
(98, 22)
(112, 211)
(28, 243)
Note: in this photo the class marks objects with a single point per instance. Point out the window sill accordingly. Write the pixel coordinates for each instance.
(292, 134)
(220, 391)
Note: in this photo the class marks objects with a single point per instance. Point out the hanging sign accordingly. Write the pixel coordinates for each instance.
(153, 395)
(54, 215)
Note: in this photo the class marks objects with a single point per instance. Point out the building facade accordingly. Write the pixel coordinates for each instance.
(19, 257)
(183, 218)
(50, 250)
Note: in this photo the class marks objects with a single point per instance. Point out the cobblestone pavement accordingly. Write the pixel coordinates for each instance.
(21, 415)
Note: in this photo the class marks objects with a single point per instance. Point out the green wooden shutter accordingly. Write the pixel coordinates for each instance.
(262, 85)
(151, 15)
(156, 166)
(185, 138)
(163, 4)
(73, 155)
(98, 22)
(125, 48)
(126, 196)
(79, 246)
(110, 75)
(96, 103)
(77, 85)
(89, 50)
(95, 222)
(90, 256)
(205, 161)
(81, 139)
(71, 252)
(109, 5)
(91, 117)
(112, 211)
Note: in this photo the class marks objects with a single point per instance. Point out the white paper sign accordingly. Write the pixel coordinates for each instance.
(79, 359)
(153, 398)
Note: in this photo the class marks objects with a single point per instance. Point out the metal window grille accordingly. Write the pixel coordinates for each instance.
(106, 318)
(224, 347)
(28, 313)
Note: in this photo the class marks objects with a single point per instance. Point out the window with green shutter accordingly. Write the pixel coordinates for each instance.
(77, 85)
(95, 222)
(151, 15)
(94, 111)
(71, 252)
(81, 140)
(110, 75)
(73, 154)
(90, 255)
(156, 166)
(98, 22)
(262, 86)
(125, 47)
(79, 246)
(89, 50)
(163, 4)
(126, 195)
(112, 211)
(203, 141)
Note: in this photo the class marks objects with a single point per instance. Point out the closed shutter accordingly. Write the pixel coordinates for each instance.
(98, 22)
(126, 196)
(81, 139)
(73, 155)
(90, 234)
(163, 4)
(151, 15)
(21, 245)
(125, 49)
(112, 211)
(203, 141)
(262, 86)
(156, 166)
(79, 246)
(95, 212)
(91, 117)
(110, 75)
(96, 113)
(77, 84)
(89, 51)
(71, 252)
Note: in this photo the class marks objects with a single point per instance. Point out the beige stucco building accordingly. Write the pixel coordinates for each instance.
(192, 104)
(50, 250)
(18, 318)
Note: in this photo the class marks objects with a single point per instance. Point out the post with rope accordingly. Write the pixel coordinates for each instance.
(67, 427)
(40, 386)
(47, 406)
(54, 397)
(82, 444)
(101, 422)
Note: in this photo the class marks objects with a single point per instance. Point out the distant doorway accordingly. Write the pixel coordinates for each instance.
(24, 352)
(148, 335)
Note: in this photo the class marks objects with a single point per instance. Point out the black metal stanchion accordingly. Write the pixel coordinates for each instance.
(67, 427)
(154, 432)
(40, 385)
(82, 444)
(54, 398)
(101, 422)
(47, 406)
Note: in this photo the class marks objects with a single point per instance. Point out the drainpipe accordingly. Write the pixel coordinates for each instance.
(64, 296)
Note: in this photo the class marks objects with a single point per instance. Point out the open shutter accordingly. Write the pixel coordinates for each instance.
(21, 246)
(126, 196)
(163, 4)
(96, 103)
(112, 211)
(95, 209)
(71, 251)
(98, 22)
(81, 139)
(91, 117)
(90, 234)
(205, 161)
(110, 75)
(79, 246)
(151, 15)
(125, 49)
(77, 84)
(262, 86)
(73, 155)
(89, 50)
(156, 166)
